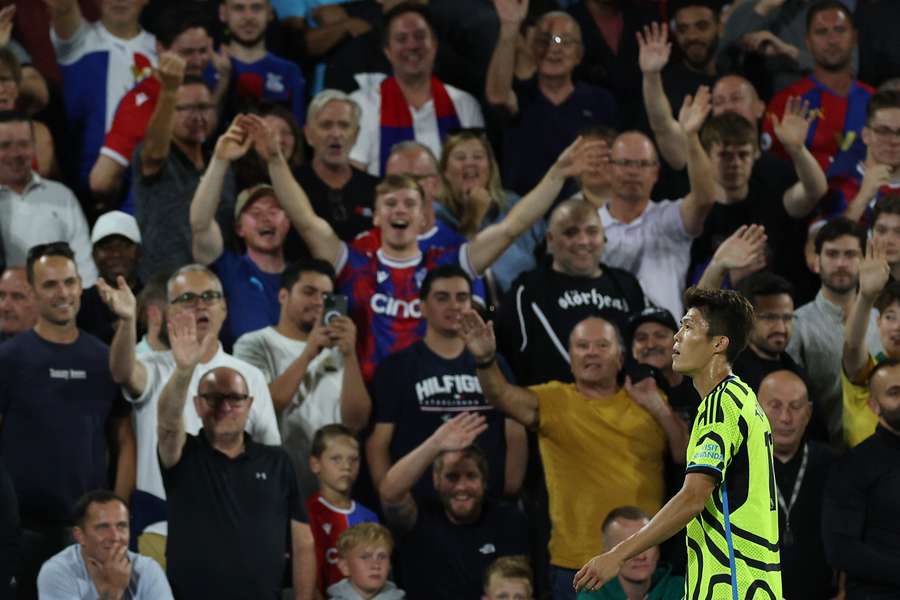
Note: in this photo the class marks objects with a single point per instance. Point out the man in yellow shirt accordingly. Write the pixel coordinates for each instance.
(602, 445)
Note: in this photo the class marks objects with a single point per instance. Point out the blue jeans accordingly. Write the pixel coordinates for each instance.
(561, 583)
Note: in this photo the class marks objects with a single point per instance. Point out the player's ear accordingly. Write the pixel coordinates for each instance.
(721, 344)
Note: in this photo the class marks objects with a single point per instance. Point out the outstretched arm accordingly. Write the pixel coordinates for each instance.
(647, 395)
(501, 69)
(399, 506)
(124, 366)
(654, 55)
(874, 273)
(801, 198)
(158, 140)
(65, 17)
(519, 403)
(744, 250)
(697, 204)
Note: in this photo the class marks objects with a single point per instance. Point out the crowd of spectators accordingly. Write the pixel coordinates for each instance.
(375, 299)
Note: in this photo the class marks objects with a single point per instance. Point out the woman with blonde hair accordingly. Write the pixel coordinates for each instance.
(473, 198)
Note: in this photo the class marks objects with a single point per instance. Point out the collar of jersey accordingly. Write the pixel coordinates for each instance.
(399, 264)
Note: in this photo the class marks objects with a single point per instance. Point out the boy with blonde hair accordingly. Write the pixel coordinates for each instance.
(365, 560)
(508, 578)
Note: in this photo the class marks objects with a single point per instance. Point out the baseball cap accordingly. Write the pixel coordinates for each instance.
(250, 194)
(652, 314)
(116, 222)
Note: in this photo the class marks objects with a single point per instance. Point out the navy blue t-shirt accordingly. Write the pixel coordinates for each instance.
(535, 137)
(251, 293)
(417, 391)
(56, 400)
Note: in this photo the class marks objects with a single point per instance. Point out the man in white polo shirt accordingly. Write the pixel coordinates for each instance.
(194, 289)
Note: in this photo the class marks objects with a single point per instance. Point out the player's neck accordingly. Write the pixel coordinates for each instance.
(763, 354)
(597, 389)
(842, 299)
(556, 88)
(634, 590)
(840, 82)
(123, 31)
(416, 88)
(444, 345)
(400, 254)
(784, 453)
(711, 375)
(268, 262)
(231, 445)
(335, 498)
(57, 333)
(626, 210)
(248, 54)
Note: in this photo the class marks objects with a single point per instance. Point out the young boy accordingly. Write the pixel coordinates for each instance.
(334, 458)
(365, 559)
(508, 578)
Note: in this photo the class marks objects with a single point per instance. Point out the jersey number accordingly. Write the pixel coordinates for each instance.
(770, 443)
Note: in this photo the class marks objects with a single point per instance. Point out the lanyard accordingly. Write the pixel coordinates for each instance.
(787, 507)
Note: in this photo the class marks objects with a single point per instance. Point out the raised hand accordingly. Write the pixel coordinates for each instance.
(876, 176)
(459, 432)
(234, 143)
(221, 61)
(478, 335)
(317, 340)
(580, 156)
(655, 48)
(341, 332)
(694, 111)
(742, 248)
(511, 12)
(170, 70)
(874, 270)
(266, 142)
(600, 569)
(6, 24)
(187, 350)
(792, 129)
(119, 299)
(646, 395)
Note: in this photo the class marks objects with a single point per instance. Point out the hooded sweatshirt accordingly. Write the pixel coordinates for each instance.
(342, 590)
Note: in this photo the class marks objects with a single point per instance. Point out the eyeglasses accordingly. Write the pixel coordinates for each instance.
(787, 319)
(545, 39)
(191, 299)
(233, 400)
(886, 132)
(628, 163)
(200, 107)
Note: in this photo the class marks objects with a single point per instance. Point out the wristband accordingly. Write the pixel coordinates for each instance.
(487, 363)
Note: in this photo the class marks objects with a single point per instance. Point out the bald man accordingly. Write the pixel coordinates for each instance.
(230, 499)
(652, 240)
(543, 305)
(18, 311)
(801, 469)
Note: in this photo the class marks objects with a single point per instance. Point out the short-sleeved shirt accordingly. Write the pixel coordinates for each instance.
(440, 560)
(65, 577)
(732, 546)
(857, 418)
(229, 520)
(384, 298)
(327, 523)
(624, 446)
(162, 208)
(416, 391)
(251, 293)
(537, 134)
(270, 79)
(655, 248)
(56, 401)
(98, 68)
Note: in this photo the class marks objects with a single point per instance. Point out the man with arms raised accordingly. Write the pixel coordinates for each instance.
(728, 500)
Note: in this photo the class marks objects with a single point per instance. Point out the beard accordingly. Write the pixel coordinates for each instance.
(705, 57)
(828, 282)
(892, 418)
(249, 43)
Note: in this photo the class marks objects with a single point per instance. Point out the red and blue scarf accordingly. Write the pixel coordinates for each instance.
(397, 121)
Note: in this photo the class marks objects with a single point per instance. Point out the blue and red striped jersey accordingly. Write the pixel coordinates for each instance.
(327, 523)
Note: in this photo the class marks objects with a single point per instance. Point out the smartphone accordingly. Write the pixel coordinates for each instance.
(335, 306)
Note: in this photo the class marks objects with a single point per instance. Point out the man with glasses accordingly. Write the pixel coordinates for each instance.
(231, 498)
(167, 169)
(193, 292)
(773, 324)
(61, 417)
(541, 107)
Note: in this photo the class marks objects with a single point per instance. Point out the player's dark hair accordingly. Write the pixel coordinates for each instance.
(473, 453)
(822, 6)
(881, 100)
(888, 204)
(837, 228)
(628, 513)
(325, 434)
(887, 296)
(677, 5)
(39, 251)
(80, 510)
(764, 283)
(728, 129)
(727, 312)
(292, 273)
(175, 20)
(400, 10)
(443, 272)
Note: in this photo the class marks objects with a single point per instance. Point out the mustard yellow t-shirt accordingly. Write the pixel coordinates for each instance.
(858, 419)
(598, 454)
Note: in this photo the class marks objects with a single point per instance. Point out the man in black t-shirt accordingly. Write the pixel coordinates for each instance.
(543, 305)
(444, 547)
(419, 388)
(233, 504)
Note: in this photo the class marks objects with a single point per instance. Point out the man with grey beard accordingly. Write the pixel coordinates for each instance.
(818, 334)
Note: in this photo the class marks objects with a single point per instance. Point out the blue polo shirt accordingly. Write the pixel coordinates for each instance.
(251, 294)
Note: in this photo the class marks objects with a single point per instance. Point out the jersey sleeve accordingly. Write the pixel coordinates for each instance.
(56, 582)
(128, 127)
(716, 434)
